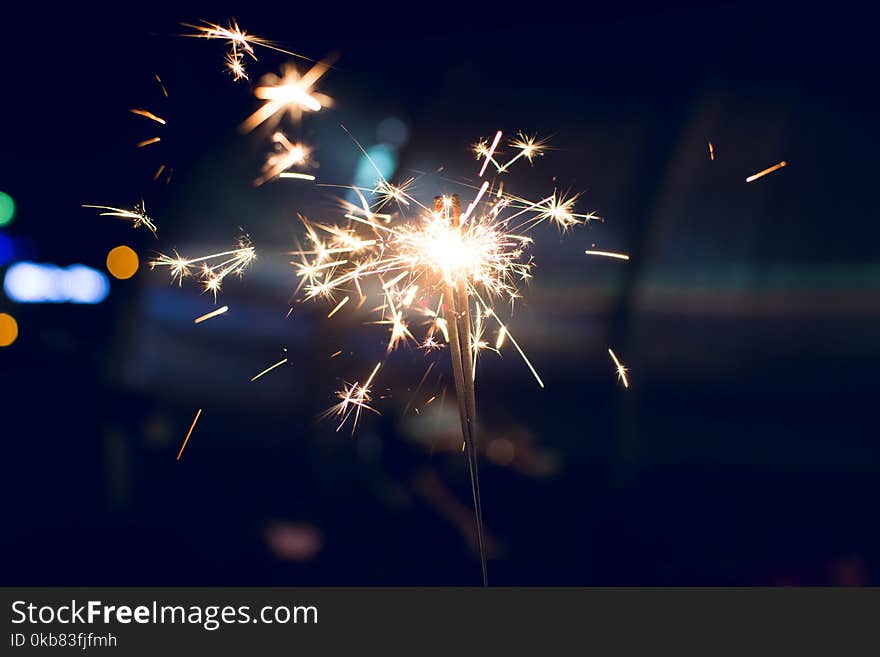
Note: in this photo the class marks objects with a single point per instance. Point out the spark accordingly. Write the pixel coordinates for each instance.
(621, 370)
(527, 147)
(297, 176)
(286, 155)
(711, 152)
(764, 172)
(289, 93)
(161, 84)
(487, 153)
(148, 114)
(502, 335)
(235, 66)
(335, 353)
(608, 254)
(239, 44)
(189, 433)
(137, 215)
(269, 369)
(388, 193)
(213, 313)
(152, 116)
(558, 209)
(338, 307)
(354, 398)
(212, 268)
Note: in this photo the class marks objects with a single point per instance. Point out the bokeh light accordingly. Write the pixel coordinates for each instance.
(8, 329)
(7, 209)
(7, 250)
(31, 282)
(122, 262)
(392, 131)
(379, 157)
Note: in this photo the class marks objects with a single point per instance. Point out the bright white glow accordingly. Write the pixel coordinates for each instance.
(30, 282)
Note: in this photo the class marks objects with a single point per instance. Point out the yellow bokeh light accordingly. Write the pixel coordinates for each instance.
(122, 262)
(8, 330)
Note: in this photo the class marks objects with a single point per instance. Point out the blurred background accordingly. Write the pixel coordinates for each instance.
(744, 451)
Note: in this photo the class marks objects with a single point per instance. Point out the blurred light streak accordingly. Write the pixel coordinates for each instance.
(711, 152)
(290, 94)
(269, 369)
(297, 176)
(764, 172)
(621, 370)
(338, 307)
(608, 254)
(148, 114)
(489, 153)
(213, 313)
(161, 85)
(189, 433)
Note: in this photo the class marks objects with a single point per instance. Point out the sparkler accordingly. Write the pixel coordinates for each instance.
(137, 215)
(442, 265)
(212, 268)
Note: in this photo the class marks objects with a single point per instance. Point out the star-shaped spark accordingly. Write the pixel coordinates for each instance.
(290, 94)
(285, 156)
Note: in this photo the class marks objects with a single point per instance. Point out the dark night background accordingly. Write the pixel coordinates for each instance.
(745, 450)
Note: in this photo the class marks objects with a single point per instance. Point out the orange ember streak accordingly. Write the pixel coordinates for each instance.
(213, 313)
(189, 433)
(149, 115)
(763, 173)
(147, 142)
(490, 153)
(159, 80)
(711, 152)
(335, 354)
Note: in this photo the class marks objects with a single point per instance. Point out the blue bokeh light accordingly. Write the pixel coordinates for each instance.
(31, 282)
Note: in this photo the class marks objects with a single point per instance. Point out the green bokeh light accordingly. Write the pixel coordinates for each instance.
(7, 208)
